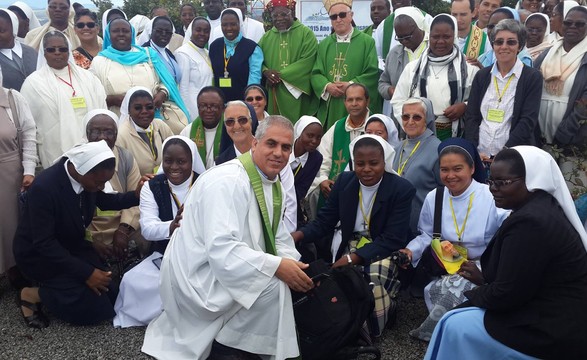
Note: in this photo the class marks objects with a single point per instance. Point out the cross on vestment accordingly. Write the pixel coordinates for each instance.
(284, 64)
(283, 44)
(364, 223)
(340, 61)
(340, 162)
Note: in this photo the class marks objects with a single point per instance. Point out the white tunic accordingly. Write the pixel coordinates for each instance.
(217, 282)
(196, 70)
(483, 221)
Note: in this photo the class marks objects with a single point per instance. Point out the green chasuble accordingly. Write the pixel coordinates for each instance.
(198, 136)
(292, 54)
(369, 30)
(353, 62)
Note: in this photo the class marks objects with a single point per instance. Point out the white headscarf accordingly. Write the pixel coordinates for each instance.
(86, 156)
(456, 26)
(415, 14)
(388, 152)
(90, 115)
(30, 14)
(239, 15)
(13, 20)
(105, 19)
(139, 22)
(545, 18)
(41, 61)
(197, 164)
(567, 6)
(302, 124)
(543, 173)
(124, 114)
(392, 133)
(146, 34)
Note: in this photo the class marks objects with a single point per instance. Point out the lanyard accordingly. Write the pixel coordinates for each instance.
(402, 166)
(500, 95)
(175, 199)
(461, 230)
(366, 218)
(226, 60)
(298, 169)
(151, 136)
(70, 83)
(207, 60)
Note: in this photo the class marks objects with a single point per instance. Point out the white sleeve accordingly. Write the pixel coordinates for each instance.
(379, 40)
(29, 134)
(402, 90)
(290, 217)
(186, 131)
(183, 62)
(152, 228)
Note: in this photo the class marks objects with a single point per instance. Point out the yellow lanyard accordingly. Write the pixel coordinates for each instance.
(207, 60)
(366, 218)
(454, 217)
(298, 169)
(402, 166)
(151, 137)
(500, 95)
(175, 199)
(226, 61)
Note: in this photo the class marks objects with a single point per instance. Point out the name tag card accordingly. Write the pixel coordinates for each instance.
(495, 115)
(225, 82)
(78, 102)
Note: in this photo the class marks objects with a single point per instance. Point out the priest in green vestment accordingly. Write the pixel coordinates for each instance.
(206, 130)
(380, 9)
(289, 50)
(345, 57)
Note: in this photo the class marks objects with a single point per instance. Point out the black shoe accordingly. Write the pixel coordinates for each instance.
(37, 320)
(223, 352)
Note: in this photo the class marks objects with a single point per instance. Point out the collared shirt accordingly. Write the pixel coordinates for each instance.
(138, 128)
(344, 38)
(493, 135)
(17, 49)
(413, 55)
(77, 187)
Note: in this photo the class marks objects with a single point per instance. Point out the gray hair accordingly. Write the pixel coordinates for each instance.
(418, 101)
(239, 103)
(510, 25)
(54, 34)
(273, 120)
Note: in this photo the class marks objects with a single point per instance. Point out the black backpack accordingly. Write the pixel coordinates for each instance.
(330, 316)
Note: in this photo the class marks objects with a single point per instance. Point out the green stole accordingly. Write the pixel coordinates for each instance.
(388, 23)
(368, 30)
(269, 231)
(475, 42)
(198, 136)
(340, 149)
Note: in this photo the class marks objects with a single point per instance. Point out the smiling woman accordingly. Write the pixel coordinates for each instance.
(87, 29)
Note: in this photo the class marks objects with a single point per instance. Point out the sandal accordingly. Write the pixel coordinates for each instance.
(37, 320)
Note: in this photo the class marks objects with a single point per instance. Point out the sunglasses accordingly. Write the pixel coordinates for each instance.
(509, 42)
(89, 25)
(51, 50)
(139, 107)
(213, 107)
(109, 134)
(405, 38)
(256, 98)
(578, 24)
(407, 117)
(341, 15)
(500, 183)
(242, 120)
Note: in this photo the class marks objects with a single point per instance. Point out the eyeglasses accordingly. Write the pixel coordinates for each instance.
(89, 25)
(284, 14)
(490, 26)
(212, 107)
(341, 15)
(51, 50)
(139, 107)
(509, 42)
(500, 183)
(256, 98)
(407, 117)
(109, 134)
(578, 24)
(242, 120)
(405, 38)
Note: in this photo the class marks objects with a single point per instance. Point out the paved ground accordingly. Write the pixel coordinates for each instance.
(62, 341)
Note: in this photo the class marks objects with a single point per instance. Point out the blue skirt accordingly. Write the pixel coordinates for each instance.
(461, 334)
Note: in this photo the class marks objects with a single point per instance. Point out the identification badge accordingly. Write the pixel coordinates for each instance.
(364, 241)
(225, 82)
(78, 102)
(495, 115)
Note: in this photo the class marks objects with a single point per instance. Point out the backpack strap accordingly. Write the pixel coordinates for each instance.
(15, 118)
(437, 228)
